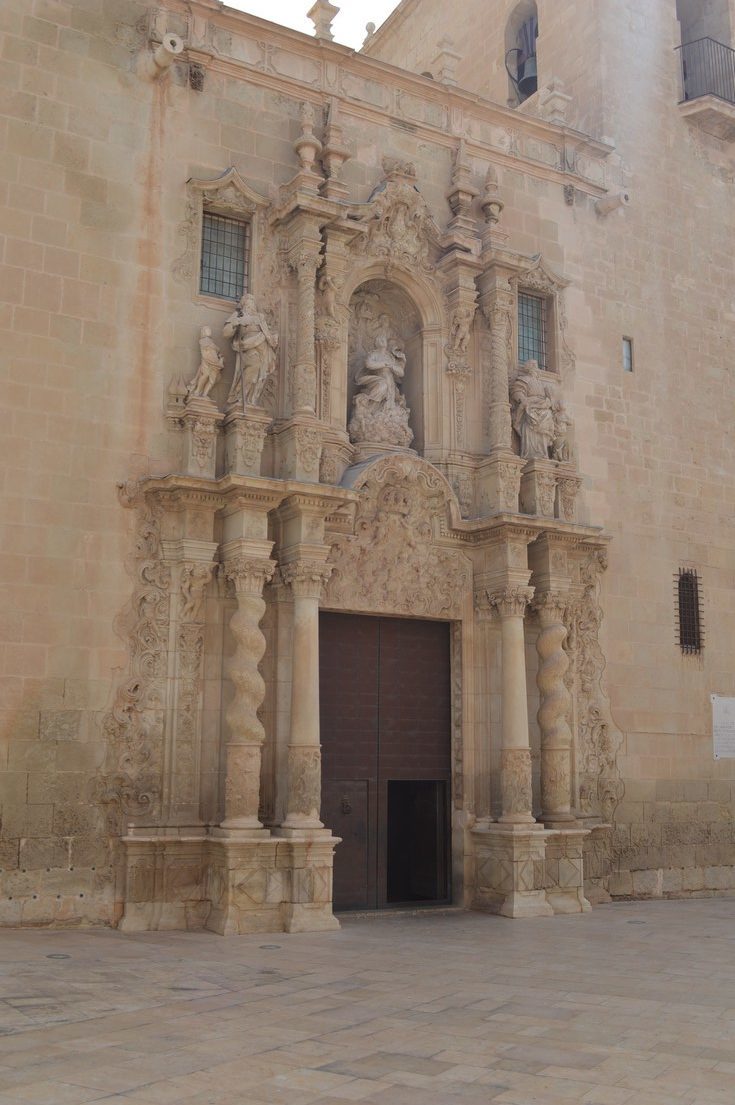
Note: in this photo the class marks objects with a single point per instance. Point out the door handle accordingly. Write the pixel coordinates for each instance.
(346, 805)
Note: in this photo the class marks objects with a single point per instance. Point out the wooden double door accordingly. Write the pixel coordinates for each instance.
(385, 696)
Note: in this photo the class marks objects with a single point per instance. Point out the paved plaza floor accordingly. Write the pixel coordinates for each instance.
(633, 1003)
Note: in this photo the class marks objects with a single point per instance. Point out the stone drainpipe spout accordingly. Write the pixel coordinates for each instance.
(156, 64)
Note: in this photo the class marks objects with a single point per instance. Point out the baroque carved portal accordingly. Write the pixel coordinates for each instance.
(384, 360)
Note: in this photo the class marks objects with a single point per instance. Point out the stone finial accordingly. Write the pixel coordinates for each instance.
(491, 203)
(322, 15)
(369, 32)
(307, 145)
(445, 62)
(554, 102)
(334, 154)
(462, 191)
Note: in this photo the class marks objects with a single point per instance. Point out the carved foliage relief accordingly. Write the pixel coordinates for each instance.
(597, 738)
(392, 564)
(131, 784)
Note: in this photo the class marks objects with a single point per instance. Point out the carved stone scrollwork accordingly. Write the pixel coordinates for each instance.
(598, 740)
(203, 438)
(509, 480)
(131, 784)
(308, 449)
(498, 314)
(329, 344)
(189, 654)
(568, 492)
(458, 364)
(400, 227)
(546, 485)
(244, 444)
(512, 602)
(515, 783)
(304, 262)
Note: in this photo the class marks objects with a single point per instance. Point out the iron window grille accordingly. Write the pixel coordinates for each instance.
(532, 328)
(689, 611)
(225, 263)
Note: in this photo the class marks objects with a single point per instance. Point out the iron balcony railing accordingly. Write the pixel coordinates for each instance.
(707, 69)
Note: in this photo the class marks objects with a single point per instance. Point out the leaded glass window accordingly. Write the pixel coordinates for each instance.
(532, 343)
(225, 256)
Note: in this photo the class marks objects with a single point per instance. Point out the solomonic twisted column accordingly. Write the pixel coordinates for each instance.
(306, 579)
(515, 761)
(553, 714)
(245, 743)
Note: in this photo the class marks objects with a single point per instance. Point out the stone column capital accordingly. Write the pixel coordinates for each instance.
(511, 602)
(306, 578)
(304, 260)
(550, 606)
(497, 304)
(249, 574)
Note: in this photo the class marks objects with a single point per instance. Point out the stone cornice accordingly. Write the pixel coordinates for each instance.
(233, 492)
(269, 44)
(479, 532)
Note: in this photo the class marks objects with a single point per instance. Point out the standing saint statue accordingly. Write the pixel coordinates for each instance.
(379, 412)
(210, 366)
(534, 404)
(254, 347)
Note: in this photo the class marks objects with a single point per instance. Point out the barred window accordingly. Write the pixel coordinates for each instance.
(532, 338)
(689, 612)
(225, 256)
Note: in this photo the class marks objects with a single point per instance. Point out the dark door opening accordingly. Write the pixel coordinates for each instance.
(385, 732)
(417, 844)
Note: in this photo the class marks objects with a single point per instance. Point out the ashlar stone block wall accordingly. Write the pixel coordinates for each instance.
(98, 314)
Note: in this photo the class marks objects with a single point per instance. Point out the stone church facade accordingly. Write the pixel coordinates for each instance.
(368, 511)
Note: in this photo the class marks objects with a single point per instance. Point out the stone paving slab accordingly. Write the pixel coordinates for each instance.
(633, 1004)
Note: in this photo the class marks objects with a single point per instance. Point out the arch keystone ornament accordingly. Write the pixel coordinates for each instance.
(395, 563)
(398, 225)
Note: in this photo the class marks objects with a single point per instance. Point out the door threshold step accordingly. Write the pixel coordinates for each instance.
(399, 911)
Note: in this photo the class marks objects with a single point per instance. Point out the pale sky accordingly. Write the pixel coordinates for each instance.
(348, 27)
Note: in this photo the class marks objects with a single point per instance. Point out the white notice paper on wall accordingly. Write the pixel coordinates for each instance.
(723, 726)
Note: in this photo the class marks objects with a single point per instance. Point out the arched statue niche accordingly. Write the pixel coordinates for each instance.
(384, 387)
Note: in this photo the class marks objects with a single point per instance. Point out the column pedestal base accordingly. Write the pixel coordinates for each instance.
(529, 871)
(510, 872)
(565, 870)
(229, 884)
